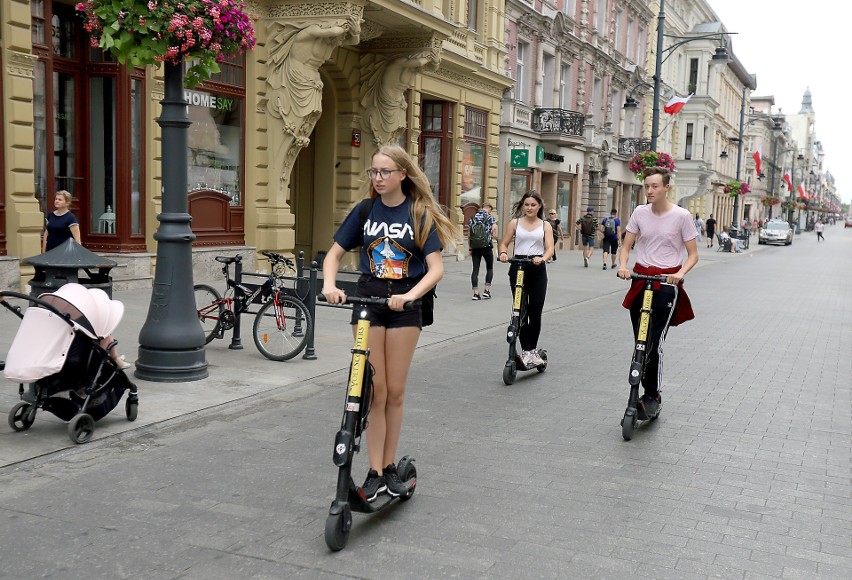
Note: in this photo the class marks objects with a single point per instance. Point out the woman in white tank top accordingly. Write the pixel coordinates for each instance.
(533, 238)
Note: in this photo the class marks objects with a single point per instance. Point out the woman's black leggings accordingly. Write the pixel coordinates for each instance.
(535, 289)
(476, 256)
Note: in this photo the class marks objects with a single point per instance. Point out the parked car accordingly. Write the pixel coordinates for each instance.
(848, 222)
(776, 232)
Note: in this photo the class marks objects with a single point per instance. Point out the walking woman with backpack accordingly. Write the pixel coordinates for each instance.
(401, 238)
(533, 239)
(482, 231)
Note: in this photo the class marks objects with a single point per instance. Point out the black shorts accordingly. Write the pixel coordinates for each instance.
(382, 315)
(610, 245)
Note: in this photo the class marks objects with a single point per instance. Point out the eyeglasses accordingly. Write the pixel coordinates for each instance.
(553, 213)
(385, 173)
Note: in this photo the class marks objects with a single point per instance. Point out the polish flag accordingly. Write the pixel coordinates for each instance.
(789, 182)
(676, 103)
(756, 158)
(801, 190)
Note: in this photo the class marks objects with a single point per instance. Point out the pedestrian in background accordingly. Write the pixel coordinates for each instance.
(533, 239)
(710, 230)
(611, 229)
(60, 224)
(699, 227)
(588, 226)
(819, 227)
(556, 226)
(482, 231)
(401, 243)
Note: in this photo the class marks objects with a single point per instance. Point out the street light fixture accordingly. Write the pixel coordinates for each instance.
(720, 57)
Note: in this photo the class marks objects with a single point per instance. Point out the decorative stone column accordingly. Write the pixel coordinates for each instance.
(301, 37)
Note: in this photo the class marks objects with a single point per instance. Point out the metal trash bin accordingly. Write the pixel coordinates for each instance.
(62, 265)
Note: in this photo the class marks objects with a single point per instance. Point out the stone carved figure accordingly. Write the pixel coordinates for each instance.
(383, 93)
(297, 50)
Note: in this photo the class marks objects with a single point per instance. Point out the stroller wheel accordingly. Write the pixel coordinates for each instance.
(131, 409)
(22, 416)
(81, 428)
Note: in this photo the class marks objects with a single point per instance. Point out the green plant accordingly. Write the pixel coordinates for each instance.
(149, 32)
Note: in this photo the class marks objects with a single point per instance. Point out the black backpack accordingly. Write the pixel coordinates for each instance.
(587, 226)
(478, 234)
(609, 227)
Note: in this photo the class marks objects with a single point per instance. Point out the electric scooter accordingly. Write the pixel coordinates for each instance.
(519, 310)
(349, 497)
(633, 416)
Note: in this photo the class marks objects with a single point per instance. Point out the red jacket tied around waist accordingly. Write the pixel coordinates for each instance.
(683, 307)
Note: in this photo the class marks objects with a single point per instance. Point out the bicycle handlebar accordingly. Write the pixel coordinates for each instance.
(273, 257)
(368, 300)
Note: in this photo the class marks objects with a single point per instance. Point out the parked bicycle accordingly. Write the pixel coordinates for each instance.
(281, 326)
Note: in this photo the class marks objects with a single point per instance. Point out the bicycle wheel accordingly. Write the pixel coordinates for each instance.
(281, 331)
(209, 310)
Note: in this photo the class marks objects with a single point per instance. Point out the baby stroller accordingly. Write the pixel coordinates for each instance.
(58, 352)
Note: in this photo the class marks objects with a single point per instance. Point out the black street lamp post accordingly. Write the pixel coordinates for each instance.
(720, 57)
(171, 342)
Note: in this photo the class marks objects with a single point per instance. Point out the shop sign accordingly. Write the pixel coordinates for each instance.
(199, 99)
(356, 137)
(539, 153)
(520, 158)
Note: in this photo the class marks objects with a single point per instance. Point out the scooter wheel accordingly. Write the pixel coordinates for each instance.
(543, 355)
(510, 371)
(628, 423)
(337, 530)
(408, 473)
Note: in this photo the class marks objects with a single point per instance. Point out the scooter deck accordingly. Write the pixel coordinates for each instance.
(519, 364)
(358, 501)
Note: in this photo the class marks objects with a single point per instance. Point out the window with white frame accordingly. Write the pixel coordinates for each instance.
(601, 19)
(628, 42)
(565, 82)
(548, 72)
(569, 7)
(619, 32)
(521, 73)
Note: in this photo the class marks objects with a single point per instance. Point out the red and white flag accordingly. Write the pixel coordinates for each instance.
(802, 193)
(676, 103)
(756, 158)
(788, 180)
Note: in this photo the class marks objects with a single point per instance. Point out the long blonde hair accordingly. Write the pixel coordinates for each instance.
(425, 211)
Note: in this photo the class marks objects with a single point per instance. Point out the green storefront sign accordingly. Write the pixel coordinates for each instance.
(520, 158)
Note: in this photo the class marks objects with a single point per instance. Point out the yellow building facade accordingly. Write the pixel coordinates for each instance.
(280, 139)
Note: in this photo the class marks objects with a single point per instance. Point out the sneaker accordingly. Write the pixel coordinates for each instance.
(535, 359)
(123, 364)
(373, 485)
(650, 405)
(604, 267)
(526, 358)
(585, 262)
(486, 294)
(395, 487)
(613, 266)
(475, 297)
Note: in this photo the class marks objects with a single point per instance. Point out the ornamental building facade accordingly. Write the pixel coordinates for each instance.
(279, 141)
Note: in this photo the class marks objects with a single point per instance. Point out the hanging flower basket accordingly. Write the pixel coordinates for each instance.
(735, 188)
(770, 200)
(644, 159)
(789, 205)
(149, 32)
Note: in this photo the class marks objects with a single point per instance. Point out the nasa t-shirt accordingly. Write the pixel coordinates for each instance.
(387, 241)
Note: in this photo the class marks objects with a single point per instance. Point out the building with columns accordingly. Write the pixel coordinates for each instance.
(280, 139)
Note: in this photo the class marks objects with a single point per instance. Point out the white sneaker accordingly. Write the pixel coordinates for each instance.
(535, 359)
(526, 357)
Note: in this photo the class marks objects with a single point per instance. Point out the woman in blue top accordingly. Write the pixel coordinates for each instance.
(401, 241)
(60, 224)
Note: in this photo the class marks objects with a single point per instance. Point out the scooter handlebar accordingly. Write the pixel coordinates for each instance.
(374, 300)
(662, 279)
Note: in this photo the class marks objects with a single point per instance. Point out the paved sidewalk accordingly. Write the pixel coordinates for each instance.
(237, 374)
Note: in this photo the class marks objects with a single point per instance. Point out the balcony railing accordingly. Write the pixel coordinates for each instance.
(558, 121)
(630, 146)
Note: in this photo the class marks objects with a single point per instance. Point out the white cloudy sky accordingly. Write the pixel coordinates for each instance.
(793, 45)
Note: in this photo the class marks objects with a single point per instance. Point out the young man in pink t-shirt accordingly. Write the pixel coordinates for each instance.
(662, 232)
